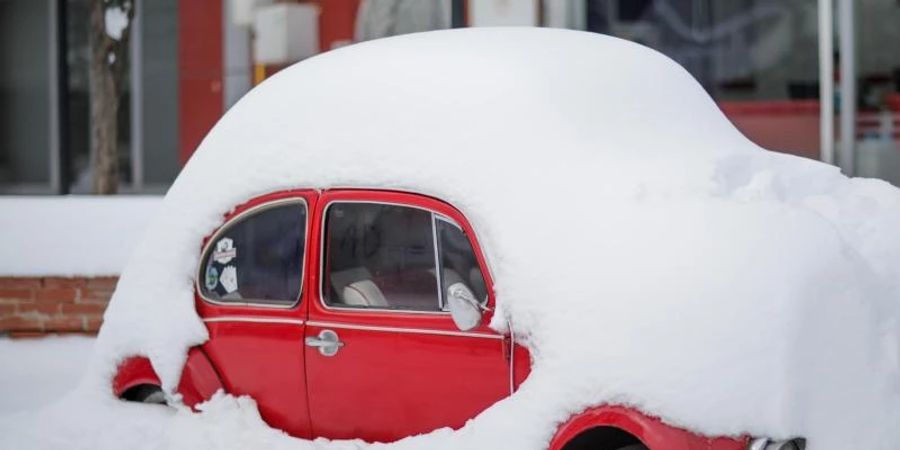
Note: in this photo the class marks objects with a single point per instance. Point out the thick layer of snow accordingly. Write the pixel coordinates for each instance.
(74, 235)
(648, 252)
(37, 372)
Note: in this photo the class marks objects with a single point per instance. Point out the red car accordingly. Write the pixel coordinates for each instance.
(392, 209)
(338, 310)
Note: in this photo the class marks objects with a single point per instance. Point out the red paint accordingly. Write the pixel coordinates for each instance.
(651, 431)
(133, 372)
(199, 380)
(264, 359)
(200, 60)
(398, 373)
(789, 126)
(337, 22)
(347, 392)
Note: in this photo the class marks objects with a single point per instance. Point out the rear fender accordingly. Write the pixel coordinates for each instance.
(651, 431)
(199, 380)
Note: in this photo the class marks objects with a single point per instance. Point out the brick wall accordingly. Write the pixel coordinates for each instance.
(41, 305)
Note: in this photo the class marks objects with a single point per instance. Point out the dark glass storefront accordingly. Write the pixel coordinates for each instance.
(759, 59)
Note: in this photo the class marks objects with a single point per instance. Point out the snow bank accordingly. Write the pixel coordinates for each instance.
(37, 372)
(67, 236)
(648, 252)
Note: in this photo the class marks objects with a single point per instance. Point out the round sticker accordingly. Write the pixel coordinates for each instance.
(212, 278)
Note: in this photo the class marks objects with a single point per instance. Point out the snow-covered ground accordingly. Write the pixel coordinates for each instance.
(37, 372)
(41, 407)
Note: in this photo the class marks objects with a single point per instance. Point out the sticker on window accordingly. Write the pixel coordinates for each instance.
(225, 251)
(229, 279)
(212, 278)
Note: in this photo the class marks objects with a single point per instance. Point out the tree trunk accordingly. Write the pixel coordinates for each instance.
(108, 61)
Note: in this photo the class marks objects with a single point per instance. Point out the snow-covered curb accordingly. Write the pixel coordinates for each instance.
(72, 235)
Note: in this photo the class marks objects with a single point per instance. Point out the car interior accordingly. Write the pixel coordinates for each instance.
(383, 256)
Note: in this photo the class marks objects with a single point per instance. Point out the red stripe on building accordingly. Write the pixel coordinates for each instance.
(200, 62)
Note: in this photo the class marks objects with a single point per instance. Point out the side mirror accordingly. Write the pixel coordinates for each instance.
(464, 308)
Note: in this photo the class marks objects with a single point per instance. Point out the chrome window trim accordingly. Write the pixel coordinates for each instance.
(237, 218)
(253, 320)
(438, 270)
(488, 261)
(386, 329)
(322, 243)
(449, 221)
(453, 223)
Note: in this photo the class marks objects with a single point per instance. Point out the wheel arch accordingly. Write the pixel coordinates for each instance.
(199, 379)
(651, 431)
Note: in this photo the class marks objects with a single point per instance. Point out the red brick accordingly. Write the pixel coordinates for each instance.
(94, 295)
(61, 282)
(19, 283)
(102, 283)
(47, 309)
(26, 334)
(83, 308)
(92, 324)
(17, 294)
(7, 309)
(21, 323)
(57, 295)
(64, 323)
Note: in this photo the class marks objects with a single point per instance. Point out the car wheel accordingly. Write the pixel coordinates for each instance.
(145, 393)
(634, 447)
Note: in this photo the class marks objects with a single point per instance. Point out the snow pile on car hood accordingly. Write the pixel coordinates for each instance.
(649, 254)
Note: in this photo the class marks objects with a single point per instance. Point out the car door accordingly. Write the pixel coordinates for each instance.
(251, 293)
(384, 359)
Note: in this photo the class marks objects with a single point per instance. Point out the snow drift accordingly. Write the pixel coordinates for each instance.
(648, 252)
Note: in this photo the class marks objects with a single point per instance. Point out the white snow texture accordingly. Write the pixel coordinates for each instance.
(115, 21)
(71, 235)
(649, 254)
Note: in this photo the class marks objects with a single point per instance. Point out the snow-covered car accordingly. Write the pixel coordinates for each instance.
(539, 238)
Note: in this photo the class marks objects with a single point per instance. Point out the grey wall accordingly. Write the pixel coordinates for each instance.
(24, 92)
(160, 91)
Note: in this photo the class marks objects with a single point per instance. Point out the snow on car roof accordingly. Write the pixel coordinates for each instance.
(647, 252)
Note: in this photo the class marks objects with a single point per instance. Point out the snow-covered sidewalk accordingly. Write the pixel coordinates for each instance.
(37, 372)
(71, 235)
(45, 404)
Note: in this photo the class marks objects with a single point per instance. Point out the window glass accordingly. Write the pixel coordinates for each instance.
(458, 262)
(259, 258)
(380, 256)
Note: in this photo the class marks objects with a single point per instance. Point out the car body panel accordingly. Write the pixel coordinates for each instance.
(652, 432)
(258, 349)
(199, 379)
(396, 367)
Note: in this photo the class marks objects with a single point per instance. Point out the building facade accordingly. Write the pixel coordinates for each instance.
(189, 60)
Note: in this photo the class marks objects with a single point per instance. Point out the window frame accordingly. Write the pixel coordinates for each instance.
(234, 219)
(435, 216)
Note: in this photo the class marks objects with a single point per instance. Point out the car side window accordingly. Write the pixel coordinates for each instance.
(258, 257)
(458, 262)
(380, 256)
(395, 257)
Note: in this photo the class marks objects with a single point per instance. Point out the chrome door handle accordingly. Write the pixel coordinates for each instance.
(327, 342)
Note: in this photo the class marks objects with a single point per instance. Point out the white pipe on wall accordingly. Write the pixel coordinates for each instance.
(137, 96)
(847, 47)
(826, 81)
